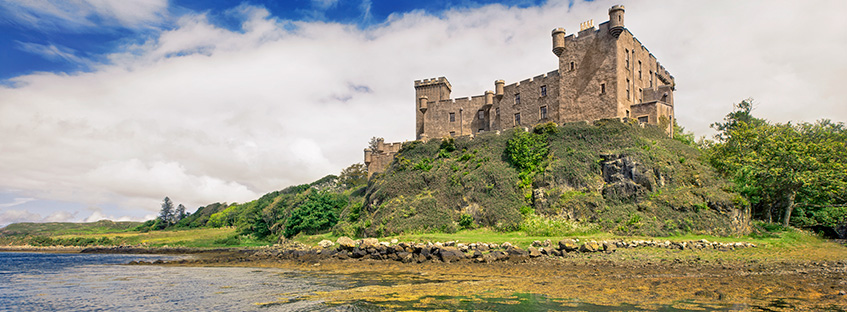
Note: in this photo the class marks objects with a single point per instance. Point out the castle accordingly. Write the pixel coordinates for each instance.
(604, 73)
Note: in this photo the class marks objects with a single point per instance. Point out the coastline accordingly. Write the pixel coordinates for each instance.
(711, 279)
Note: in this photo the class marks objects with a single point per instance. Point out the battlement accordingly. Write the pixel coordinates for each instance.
(550, 74)
(433, 81)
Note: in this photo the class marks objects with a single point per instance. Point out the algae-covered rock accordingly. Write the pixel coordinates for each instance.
(568, 245)
(591, 246)
(346, 243)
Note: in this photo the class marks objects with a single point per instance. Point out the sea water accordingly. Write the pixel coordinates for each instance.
(100, 282)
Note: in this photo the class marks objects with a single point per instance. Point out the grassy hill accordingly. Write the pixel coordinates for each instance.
(67, 228)
(576, 178)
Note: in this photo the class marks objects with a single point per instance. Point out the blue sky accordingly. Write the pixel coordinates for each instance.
(108, 106)
(68, 43)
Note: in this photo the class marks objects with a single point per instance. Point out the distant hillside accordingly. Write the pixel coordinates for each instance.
(66, 228)
(614, 176)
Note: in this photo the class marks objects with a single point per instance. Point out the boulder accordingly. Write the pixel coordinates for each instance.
(394, 241)
(533, 252)
(482, 247)
(568, 245)
(346, 243)
(547, 243)
(517, 254)
(609, 246)
(590, 246)
(366, 243)
(326, 243)
(450, 254)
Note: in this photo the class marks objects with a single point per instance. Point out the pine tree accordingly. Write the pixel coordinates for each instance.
(180, 213)
(167, 212)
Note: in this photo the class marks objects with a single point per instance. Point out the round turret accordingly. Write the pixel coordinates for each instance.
(422, 103)
(498, 87)
(558, 41)
(616, 20)
(489, 98)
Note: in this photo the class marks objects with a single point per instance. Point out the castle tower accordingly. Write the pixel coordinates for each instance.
(558, 41)
(499, 85)
(616, 20)
(428, 91)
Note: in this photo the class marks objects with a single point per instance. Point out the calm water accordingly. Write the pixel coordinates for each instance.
(96, 282)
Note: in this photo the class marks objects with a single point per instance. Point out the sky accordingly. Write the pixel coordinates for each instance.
(108, 106)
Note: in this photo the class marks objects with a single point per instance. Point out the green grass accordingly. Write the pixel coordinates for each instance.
(67, 228)
(203, 238)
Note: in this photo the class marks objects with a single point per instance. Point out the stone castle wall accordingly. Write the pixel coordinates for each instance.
(603, 73)
(378, 159)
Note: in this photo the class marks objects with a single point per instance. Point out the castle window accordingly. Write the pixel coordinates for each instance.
(573, 66)
(640, 94)
(452, 117)
(497, 112)
(517, 119)
(543, 112)
(627, 113)
(651, 79)
(627, 58)
(481, 114)
(639, 70)
(543, 90)
(452, 133)
(642, 119)
(517, 98)
(481, 130)
(627, 90)
(602, 88)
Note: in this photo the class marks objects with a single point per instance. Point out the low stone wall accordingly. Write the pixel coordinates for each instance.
(371, 248)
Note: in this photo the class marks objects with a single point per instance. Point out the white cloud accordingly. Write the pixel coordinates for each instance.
(13, 216)
(204, 114)
(86, 14)
(17, 201)
(60, 216)
(53, 52)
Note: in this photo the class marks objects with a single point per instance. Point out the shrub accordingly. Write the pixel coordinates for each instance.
(318, 213)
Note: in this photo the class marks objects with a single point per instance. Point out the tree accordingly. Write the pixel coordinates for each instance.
(179, 214)
(167, 212)
(778, 166)
(355, 175)
(319, 212)
(374, 143)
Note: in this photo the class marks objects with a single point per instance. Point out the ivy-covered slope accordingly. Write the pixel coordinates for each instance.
(615, 176)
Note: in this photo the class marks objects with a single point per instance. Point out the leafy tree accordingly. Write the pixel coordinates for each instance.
(681, 135)
(525, 151)
(783, 166)
(319, 212)
(355, 175)
(167, 212)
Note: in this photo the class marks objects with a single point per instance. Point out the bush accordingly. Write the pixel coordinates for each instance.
(317, 214)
